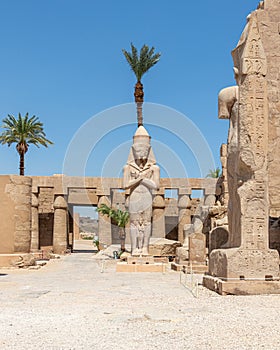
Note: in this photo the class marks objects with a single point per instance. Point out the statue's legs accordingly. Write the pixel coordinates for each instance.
(133, 238)
(147, 234)
(140, 239)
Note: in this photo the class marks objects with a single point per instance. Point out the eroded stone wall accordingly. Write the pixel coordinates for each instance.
(15, 214)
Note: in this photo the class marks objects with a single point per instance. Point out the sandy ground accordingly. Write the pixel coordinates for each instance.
(71, 304)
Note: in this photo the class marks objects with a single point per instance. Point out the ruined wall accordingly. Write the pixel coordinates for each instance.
(26, 200)
(15, 214)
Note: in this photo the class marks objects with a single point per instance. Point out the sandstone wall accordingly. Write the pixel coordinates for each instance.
(15, 214)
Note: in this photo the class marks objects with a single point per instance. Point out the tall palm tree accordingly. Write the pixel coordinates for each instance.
(23, 131)
(216, 173)
(119, 218)
(140, 64)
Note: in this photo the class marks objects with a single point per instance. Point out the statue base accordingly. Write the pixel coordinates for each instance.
(240, 271)
(141, 264)
(190, 268)
(241, 287)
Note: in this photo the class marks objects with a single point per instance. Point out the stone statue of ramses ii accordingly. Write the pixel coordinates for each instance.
(140, 177)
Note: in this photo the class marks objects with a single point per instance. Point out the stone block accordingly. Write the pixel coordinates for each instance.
(141, 260)
(240, 263)
(182, 255)
(124, 267)
(253, 287)
(197, 248)
(163, 247)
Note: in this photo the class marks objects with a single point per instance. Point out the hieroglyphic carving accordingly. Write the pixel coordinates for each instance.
(250, 159)
(253, 59)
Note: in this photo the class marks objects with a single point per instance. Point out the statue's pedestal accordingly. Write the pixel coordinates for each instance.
(141, 264)
(141, 260)
(189, 268)
(192, 257)
(240, 271)
(241, 287)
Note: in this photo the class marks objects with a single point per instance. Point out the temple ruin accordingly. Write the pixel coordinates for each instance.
(232, 233)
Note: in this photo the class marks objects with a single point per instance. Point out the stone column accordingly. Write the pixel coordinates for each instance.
(16, 213)
(104, 223)
(76, 226)
(60, 225)
(34, 247)
(71, 227)
(158, 223)
(184, 206)
(22, 196)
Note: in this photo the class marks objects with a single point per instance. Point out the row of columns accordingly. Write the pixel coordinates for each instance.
(61, 230)
(60, 226)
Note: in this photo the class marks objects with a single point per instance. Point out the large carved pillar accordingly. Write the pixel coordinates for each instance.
(184, 208)
(104, 224)
(35, 223)
(249, 257)
(158, 225)
(60, 225)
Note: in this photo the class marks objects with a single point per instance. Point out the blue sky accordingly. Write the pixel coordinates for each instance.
(62, 61)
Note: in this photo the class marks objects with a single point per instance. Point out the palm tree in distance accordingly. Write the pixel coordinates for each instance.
(140, 64)
(23, 131)
(216, 173)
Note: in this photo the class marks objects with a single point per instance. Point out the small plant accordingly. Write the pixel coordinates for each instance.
(87, 238)
(96, 242)
(216, 173)
(119, 217)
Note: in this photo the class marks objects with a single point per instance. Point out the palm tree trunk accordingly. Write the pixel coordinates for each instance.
(21, 164)
(122, 238)
(139, 99)
(139, 113)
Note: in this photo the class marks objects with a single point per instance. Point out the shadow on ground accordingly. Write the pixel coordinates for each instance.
(84, 251)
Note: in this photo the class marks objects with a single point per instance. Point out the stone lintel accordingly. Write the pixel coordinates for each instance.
(103, 191)
(184, 190)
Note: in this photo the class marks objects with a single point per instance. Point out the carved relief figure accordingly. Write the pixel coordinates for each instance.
(141, 176)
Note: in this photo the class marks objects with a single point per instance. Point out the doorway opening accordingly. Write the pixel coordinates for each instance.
(83, 229)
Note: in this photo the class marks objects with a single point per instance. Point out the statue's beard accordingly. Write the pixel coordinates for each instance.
(141, 162)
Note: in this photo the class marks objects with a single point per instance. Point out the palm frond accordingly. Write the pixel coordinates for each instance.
(216, 173)
(141, 63)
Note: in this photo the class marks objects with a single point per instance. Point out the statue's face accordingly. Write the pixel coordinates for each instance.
(141, 151)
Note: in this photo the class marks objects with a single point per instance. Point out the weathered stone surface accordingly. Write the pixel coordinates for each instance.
(163, 247)
(15, 214)
(197, 248)
(182, 255)
(253, 151)
(241, 287)
(218, 238)
(25, 260)
(60, 225)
